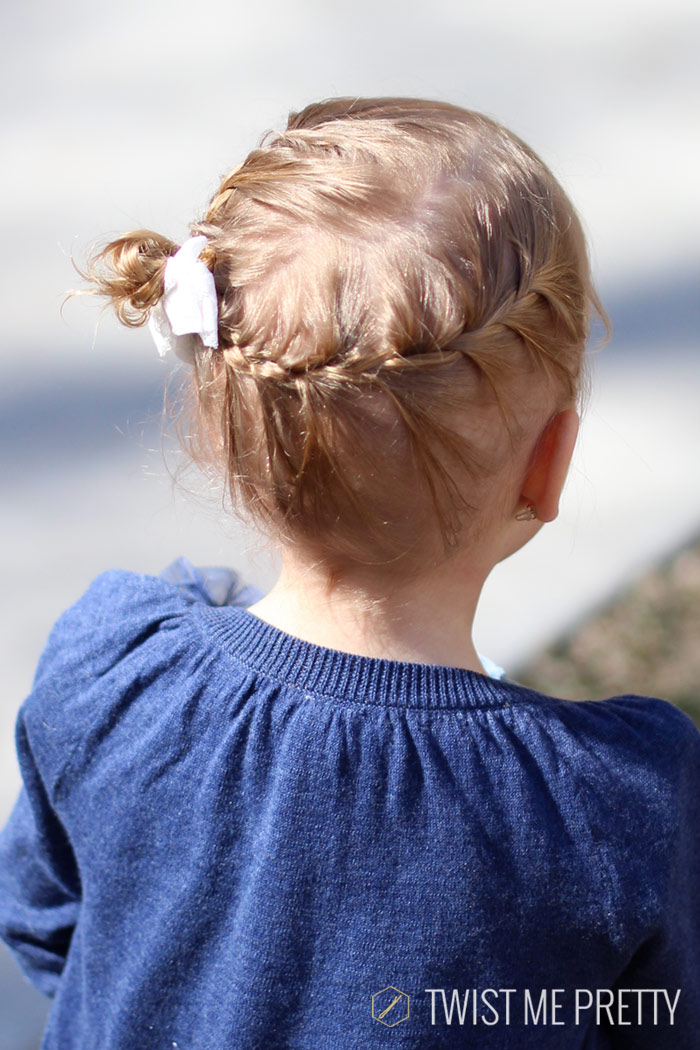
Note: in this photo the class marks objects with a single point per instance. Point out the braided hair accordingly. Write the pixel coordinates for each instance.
(404, 297)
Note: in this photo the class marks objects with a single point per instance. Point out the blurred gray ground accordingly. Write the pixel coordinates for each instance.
(23, 1010)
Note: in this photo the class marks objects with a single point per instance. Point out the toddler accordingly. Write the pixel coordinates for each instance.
(319, 819)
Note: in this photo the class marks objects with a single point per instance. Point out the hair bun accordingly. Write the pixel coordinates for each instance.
(129, 272)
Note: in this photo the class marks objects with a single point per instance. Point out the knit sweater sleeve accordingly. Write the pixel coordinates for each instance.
(668, 959)
(40, 884)
(40, 892)
(82, 670)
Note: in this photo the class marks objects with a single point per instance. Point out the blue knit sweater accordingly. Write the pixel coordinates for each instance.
(228, 838)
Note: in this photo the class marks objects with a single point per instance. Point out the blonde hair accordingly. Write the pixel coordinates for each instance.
(385, 267)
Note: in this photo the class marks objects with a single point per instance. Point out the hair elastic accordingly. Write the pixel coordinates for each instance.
(189, 307)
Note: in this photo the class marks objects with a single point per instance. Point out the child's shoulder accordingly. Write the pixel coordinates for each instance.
(630, 735)
(121, 608)
(125, 627)
(633, 713)
(119, 604)
(106, 618)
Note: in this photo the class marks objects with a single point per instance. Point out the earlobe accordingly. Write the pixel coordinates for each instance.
(547, 473)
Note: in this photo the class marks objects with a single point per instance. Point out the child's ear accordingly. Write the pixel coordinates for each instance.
(546, 475)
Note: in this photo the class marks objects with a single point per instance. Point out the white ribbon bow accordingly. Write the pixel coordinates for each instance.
(189, 306)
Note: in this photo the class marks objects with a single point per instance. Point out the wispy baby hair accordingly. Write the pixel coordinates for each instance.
(387, 271)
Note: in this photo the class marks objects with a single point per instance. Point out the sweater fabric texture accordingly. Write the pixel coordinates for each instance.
(228, 838)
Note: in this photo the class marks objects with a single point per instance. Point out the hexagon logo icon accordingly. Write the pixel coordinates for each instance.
(391, 1006)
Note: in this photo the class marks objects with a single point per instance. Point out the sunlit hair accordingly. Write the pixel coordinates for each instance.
(389, 271)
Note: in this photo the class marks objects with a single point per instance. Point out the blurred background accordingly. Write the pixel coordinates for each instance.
(121, 116)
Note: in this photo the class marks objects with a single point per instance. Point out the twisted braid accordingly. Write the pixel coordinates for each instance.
(379, 265)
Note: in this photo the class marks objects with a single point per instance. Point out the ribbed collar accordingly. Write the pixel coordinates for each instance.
(349, 677)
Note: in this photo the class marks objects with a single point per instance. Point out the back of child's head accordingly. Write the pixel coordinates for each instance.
(404, 299)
